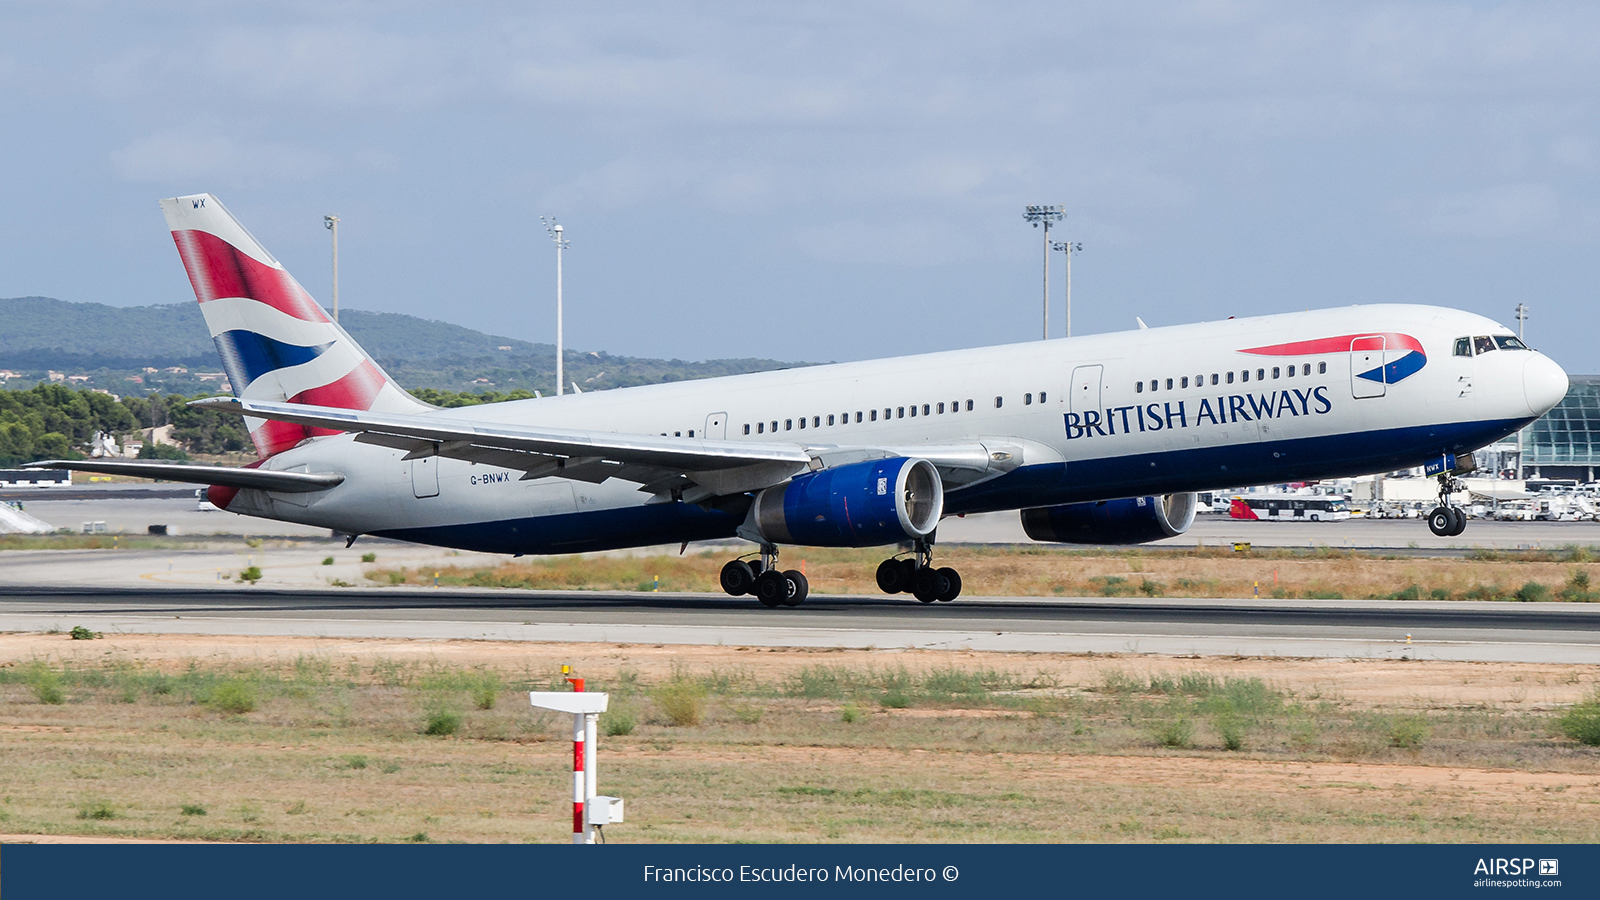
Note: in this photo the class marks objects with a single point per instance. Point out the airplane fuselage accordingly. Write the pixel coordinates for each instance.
(1156, 411)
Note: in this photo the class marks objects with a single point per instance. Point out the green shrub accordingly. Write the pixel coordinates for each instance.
(1408, 732)
(1232, 732)
(1439, 594)
(486, 690)
(356, 761)
(1582, 722)
(1533, 592)
(252, 574)
(442, 722)
(1176, 732)
(80, 633)
(1324, 595)
(748, 713)
(1151, 588)
(618, 721)
(327, 560)
(850, 713)
(369, 557)
(45, 684)
(397, 577)
(192, 809)
(682, 701)
(97, 809)
(234, 696)
(1410, 592)
(895, 700)
(1577, 588)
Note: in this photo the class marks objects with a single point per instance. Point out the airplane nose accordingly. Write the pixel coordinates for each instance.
(1544, 383)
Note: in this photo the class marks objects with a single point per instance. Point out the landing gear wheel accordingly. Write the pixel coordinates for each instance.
(891, 578)
(1460, 517)
(929, 584)
(772, 588)
(1441, 521)
(952, 582)
(908, 574)
(737, 578)
(798, 587)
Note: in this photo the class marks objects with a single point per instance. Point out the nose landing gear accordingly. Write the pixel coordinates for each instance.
(1447, 519)
(917, 577)
(762, 579)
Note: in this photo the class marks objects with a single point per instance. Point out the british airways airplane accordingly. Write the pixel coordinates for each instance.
(1100, 439)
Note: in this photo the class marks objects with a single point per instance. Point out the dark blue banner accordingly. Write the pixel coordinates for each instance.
(392, 872)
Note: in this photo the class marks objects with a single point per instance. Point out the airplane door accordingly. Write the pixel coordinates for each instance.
(1367, 373)
(425, 477)
(1085, 388)
(717, 426)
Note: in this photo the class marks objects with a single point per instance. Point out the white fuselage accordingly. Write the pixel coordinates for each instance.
(1090, 417)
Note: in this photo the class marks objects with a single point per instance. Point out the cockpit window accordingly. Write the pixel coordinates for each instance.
(1463, 346)
(1483, 344)
(1507, 342)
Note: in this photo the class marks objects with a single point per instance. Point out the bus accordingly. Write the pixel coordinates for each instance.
(1290, 507)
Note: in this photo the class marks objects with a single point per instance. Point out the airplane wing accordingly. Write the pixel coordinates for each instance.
(690, 469)
(283, 482)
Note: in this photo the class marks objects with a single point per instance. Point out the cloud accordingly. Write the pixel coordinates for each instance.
(217, 160)
(1501, 211)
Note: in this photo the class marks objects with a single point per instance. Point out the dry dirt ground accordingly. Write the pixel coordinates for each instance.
(1060, 748)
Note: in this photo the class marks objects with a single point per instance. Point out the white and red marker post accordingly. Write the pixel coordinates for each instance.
(585, 708)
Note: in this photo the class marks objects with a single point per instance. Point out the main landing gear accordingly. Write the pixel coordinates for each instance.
(917, 576)
(762, 579)
(1447, 520)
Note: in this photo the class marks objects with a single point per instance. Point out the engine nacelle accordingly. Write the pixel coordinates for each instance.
(1133, 520)
(863, 504)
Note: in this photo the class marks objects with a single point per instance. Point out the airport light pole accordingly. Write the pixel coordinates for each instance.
(1522, 318)
(1069, 248)
(551, 226)
(331, 222)
(1045, 215)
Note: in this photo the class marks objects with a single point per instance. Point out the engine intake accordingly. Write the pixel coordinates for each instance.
(1133, 520)
(863, 504)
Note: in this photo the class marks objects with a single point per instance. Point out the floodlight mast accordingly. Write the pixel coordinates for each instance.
(1069, 248)
(1045, 215)
(1522, 319)
(555, 230)
(331, 222)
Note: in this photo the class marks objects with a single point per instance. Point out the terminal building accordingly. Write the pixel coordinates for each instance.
(1565, 443)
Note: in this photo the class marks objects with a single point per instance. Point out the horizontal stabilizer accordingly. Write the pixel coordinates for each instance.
(283, 482)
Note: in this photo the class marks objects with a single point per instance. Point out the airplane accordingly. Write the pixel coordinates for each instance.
(1099, 439)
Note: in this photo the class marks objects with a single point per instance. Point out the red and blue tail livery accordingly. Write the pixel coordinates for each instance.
(1401, 354)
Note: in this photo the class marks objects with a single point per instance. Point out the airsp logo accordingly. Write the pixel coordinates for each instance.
(1549, 867)
(1512, 866)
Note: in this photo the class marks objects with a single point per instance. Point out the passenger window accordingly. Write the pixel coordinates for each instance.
(1291, 371)
(969, 406)
(677, 434)
(1306, 370)
(1027, 399)
(941, 407)
(1463, 347)
(1322, 368)
(1482, 345)
(788, 424)
(998, 401)
(802, 422)
(924, 409)
(886, 415)
(747, 429)
(874, 415)
(1245, 375)
(1214, 378)
(1138, 387)
(913, 410)
(816, 421)
(955, 406)
(1507, 342)
(691, 432)
(1230, 378)
(1184, 383)
(1041, 396)
(900, 412)
(761, 428)
(858, 416)
(1169, 384)
(1261, 374)
(830, 418)
(1274, 371)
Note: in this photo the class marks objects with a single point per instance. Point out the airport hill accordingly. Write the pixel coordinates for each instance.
(72, 369)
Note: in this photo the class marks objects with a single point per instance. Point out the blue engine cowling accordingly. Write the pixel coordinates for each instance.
(1133, 520)
(864, 504)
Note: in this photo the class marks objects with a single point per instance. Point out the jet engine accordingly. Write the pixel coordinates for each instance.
(1133, 520)
(865, 504)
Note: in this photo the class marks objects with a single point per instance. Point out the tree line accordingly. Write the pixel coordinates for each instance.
(52, 421)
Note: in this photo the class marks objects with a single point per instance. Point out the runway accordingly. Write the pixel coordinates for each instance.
(1488, 632)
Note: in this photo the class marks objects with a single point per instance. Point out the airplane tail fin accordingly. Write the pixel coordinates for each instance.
(276, 343)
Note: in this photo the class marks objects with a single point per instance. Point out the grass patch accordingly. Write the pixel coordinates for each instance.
(1581, 722)
(234, 696)
(191, 809)
(442, 723)
(98, 810)
(682, 701)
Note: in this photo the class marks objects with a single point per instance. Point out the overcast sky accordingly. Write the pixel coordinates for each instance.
(820, 181)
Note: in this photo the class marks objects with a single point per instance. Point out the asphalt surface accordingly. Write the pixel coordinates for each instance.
(1300, 628)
